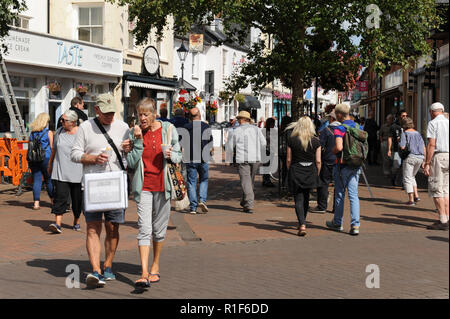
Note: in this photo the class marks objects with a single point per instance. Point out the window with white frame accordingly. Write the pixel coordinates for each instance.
(195, 57)
(90, 24)
(131, 40)
(21, 22)
(224, 63)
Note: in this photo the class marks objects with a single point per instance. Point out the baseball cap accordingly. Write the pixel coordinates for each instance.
(437, 106)
(106, 103)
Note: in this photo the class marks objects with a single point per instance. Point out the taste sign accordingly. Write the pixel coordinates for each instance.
(71, 55)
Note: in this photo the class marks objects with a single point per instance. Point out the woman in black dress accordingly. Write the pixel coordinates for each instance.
(304, 163)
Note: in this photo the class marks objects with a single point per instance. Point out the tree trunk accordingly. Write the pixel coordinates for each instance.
(297, 97)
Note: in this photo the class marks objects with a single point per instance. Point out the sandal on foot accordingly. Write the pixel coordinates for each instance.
(154, 281)
(36, 207)
(302, 231)
(142, 283)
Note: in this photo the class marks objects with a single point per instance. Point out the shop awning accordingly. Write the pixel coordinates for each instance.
(130, 84)
(250, 102)
(187, 86)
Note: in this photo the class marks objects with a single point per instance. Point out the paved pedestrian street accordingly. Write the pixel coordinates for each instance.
(228, 254)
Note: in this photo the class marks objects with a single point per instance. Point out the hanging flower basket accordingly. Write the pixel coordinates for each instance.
(213, 108)
(185, 102)
(54, 88)
(82, 90)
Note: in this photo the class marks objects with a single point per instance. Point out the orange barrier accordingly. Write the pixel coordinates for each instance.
(13, 158)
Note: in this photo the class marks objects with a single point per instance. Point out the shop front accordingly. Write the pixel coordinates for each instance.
(392, 94)
(139, 86)
(46, 72)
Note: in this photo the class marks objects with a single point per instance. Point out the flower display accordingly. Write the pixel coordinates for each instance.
(82, 89)
(212, 108)
(186, 102)
(54, 87)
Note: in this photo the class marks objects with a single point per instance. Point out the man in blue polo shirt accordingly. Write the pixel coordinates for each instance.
(344, 176)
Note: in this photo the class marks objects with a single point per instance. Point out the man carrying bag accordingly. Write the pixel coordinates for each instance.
(98, 146)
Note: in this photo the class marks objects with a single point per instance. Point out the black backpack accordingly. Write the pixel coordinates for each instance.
(35, 151)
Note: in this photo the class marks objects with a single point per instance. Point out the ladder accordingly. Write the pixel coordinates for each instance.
(11, 102)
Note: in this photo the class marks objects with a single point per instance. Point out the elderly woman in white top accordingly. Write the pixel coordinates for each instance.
(66, 175)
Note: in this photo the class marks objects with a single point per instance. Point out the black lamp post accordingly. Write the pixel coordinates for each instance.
(182, 54)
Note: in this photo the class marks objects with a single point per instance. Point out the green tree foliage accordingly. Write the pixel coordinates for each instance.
(327, 40)
(9, 10)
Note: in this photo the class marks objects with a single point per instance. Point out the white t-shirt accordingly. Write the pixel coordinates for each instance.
(438, 129)
(90, 140)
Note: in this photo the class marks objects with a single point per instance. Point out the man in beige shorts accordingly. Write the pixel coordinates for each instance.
(436, 164)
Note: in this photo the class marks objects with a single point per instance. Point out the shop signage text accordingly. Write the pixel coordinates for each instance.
(33, 48)
(71, 56)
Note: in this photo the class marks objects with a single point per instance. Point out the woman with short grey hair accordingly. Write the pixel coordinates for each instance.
(66, 175)
(411, 165)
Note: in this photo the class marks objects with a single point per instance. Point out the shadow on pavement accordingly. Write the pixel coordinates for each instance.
(43, 224)
(386, 200)
(226, 208)
(282, 226)
(57, 268)
(393, 221)
(443, 239)
(419, 219)
(29, 205)
(406, 207)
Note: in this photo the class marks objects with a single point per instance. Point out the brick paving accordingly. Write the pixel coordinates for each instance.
(235, 255)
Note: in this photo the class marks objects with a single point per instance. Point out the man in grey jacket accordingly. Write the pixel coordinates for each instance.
(248, 142)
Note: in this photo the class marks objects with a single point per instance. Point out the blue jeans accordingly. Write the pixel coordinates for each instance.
(347, 179)
(38, 170)
(192, 170)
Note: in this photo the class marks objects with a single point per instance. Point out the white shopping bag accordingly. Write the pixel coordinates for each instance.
(105, 191)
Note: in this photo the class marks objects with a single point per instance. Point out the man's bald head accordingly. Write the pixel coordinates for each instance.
(195, 114)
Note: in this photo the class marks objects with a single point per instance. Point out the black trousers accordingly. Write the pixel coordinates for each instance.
(326, 176)
(62, 191)
(302, 204)
(372, 155)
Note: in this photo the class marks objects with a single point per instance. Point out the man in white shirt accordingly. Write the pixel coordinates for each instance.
(92, 149)
(436, 164)
(248, 141)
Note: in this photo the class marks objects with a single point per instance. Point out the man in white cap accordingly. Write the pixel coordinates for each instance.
(91, 148)
(249, 142)
(436, 164)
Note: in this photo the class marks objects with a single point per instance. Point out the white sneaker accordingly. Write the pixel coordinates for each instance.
(203, 207)
(192, 212)
(95, 280)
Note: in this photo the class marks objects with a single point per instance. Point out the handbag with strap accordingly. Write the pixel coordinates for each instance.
(176, 178)
(404, 153)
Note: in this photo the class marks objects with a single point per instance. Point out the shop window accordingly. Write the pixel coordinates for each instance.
(131, 40)
(21, 22)
(195, 66)
(90, 24)
(15, 80)
(224, 63)
(29, 82)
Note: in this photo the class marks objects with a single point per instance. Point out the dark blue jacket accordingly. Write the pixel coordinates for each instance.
(197, 147)
(328, 142)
